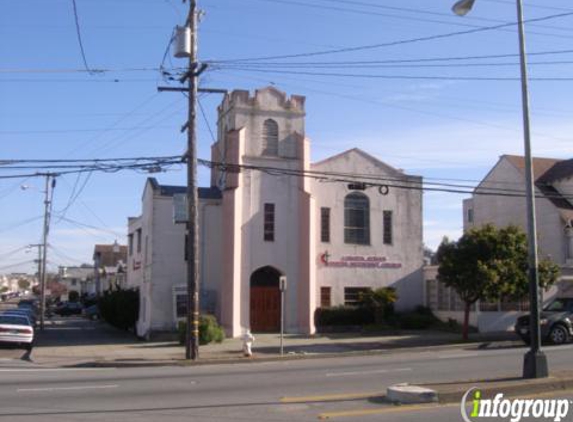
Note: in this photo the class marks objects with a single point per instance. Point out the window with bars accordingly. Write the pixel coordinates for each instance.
(387, 222)
(352, 295)
(270, 138)
(357, 219)
(325, 297)
(325, 224)
(269, 224)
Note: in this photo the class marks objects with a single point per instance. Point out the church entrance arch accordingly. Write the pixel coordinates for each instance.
(265, 306)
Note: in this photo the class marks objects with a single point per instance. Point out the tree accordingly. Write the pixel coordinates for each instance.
(23, 284)
(379, 302)
(487, 263)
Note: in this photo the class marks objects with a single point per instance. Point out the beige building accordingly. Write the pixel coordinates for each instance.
(554, 215)
(261, 220)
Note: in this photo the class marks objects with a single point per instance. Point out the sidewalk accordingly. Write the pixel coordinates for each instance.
(85, 343)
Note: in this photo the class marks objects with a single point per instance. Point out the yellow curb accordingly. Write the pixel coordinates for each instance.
(395, 409)
(332, 397)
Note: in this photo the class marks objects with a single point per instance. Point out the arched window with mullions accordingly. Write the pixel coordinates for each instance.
(357, 219)
(270, 138)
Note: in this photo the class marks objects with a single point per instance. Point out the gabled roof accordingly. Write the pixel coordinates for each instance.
(546, 171)
(170, 190)
(380, 164)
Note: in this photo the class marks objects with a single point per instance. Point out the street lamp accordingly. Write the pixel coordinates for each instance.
(535, 361)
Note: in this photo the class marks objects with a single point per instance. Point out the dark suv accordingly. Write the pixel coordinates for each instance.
(556, 322)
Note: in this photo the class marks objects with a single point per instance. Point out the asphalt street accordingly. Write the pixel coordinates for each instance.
(337, 388)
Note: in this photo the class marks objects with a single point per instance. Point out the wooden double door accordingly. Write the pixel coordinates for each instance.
(265, 303)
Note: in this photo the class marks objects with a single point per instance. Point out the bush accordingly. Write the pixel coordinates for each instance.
(209, 330)
(379, 302)
(343, 315)
(73, 296)
(120, 308)
(414, 321)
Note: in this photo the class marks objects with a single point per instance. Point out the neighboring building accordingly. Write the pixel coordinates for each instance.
(10, 282)
(79, 279)
(109, 267)
(554, 214)
(330, 239)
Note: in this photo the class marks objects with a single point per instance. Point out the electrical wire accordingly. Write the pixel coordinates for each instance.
(79, 36)
(394, 43)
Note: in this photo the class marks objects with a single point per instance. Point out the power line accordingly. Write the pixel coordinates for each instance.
(393, 43)
(79, 36)
(402, 77)
(401, 17)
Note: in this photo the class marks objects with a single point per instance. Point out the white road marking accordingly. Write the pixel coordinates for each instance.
(459, 356)
(376, 371)
(85, 387)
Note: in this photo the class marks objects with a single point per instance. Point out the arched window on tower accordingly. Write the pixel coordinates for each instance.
(270, 138)
(357, 219)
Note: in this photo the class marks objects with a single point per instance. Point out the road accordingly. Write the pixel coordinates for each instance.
(300, 390)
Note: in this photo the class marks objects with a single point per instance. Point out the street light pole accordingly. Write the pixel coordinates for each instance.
(535, 361)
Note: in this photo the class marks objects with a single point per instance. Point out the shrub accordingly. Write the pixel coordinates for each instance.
(73, 296)
(209, 330)
(343, 315)
(421, 318)
(120, 308)
(379, 302)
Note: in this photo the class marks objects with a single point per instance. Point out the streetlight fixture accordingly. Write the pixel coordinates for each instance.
(535, 361)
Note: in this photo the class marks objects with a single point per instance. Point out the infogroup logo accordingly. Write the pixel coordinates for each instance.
(514, 410)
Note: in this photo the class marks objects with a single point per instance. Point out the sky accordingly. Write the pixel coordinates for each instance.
(407, 81)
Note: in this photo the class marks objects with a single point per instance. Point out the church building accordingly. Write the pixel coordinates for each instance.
(333, 228)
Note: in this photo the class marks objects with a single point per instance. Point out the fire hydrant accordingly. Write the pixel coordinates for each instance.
(248, 340)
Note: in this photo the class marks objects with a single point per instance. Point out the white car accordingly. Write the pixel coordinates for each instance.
(16, 330)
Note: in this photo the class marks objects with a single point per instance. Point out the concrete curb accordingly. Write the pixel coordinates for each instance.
(261, 358)
(411, 394)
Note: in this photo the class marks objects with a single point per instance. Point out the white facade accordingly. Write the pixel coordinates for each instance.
(258, 221)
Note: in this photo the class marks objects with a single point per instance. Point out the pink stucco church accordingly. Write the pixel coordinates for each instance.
(331, 239)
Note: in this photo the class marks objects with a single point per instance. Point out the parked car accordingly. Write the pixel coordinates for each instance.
(69, 308)
(16, 330)
(92, 312)
(28, 313)
(556, 322)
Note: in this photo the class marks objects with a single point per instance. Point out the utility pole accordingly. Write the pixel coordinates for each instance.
(48, 195)
(39, 260)
(192, 334)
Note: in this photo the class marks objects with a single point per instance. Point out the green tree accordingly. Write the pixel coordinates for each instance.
(487, 263)
(23, 284)
(379, 302)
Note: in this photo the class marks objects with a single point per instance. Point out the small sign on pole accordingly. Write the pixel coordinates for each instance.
(282, 287)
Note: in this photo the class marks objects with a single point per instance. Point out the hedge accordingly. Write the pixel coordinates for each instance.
(209, 330)
(343, 315)
(120, 308)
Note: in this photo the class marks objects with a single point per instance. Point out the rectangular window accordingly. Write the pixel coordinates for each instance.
(181, 306)
(130, 237)
(352, 295)
(325, 297)
(269, 234)
(138, 240)
(387, 216)
(325, 224)
(470, 215)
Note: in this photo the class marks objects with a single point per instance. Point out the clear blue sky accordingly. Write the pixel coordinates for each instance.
(412, 113)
